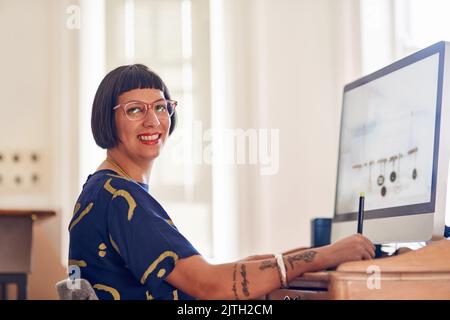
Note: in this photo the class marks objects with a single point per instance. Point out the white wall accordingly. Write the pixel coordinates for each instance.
(39, 92)
(286, 62)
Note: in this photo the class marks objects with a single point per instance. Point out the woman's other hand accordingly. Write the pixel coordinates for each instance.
(355, 247)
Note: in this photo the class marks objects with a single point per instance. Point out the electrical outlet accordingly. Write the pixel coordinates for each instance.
(23, 171)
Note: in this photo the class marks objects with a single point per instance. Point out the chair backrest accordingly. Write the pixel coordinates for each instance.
(79, 289)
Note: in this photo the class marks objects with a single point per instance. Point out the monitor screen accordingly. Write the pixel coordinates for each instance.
(389, 142)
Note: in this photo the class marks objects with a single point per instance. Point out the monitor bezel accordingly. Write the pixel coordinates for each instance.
(420, 208)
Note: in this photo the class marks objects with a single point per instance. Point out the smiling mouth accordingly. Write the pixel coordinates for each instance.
(149, 139)
(153, 137)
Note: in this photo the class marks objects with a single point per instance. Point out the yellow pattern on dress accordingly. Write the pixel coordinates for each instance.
(102, 250)
(122, 193)
(114, 244)
(117, 176)
(80, 263)
(155, 263)
(161, 273)
(132, 205)
(111, 290)
(174, 293)
(82, 214)
(109, 187)
(77, 207)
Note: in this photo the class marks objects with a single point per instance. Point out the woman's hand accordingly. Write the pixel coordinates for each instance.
(355, 247)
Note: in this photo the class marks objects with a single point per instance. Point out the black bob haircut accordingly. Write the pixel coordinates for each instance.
(116, 82)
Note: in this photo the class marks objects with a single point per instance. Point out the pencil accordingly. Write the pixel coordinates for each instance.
(361, 213)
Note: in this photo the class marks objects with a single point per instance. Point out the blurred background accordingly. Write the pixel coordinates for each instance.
(268, 73)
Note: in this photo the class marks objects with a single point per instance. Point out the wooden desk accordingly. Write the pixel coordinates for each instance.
(420, 274)
(15, 248)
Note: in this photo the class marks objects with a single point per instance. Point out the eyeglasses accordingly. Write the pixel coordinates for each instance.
(137, 110)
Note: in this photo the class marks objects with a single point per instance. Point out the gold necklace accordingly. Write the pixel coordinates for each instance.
(116, 165)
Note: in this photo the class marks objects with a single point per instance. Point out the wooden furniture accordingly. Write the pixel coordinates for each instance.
(15, 248)
(419, 274)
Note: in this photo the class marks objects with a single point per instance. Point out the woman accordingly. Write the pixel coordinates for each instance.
(124, 242)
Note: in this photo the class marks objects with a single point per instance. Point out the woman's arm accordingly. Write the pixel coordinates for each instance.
(253, 279)
(296, 250)
(238, 280)
(271, 255)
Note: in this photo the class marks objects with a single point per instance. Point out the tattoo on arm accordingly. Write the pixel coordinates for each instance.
(244, 280)
(234, 283)
(268, 264)
(271, 264)
(307, 256)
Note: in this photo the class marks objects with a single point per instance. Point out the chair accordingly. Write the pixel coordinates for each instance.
(79, 289)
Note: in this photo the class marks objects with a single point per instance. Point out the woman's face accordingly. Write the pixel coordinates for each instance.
(141, 140)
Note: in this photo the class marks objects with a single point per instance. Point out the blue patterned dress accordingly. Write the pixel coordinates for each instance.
(123, 242)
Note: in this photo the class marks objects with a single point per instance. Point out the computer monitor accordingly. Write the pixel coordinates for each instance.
(395, 147)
